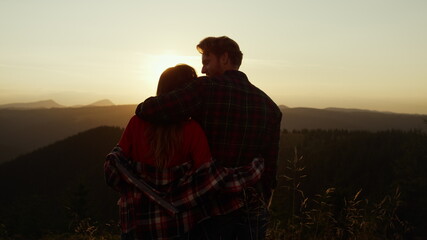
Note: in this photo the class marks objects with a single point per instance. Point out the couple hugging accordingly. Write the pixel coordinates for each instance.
(199, 160)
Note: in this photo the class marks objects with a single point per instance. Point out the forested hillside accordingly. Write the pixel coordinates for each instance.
(51, 189)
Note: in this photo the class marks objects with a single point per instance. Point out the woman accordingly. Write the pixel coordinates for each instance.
(174, 162)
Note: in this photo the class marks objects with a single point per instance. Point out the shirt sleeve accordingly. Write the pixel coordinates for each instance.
(175, 106)
(209, 179)
(112, 175)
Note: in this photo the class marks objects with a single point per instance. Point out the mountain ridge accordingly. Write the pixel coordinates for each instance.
(32, 105)
(24, 130)
(100, 103)
(52, 104)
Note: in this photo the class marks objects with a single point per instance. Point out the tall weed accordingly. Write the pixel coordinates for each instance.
(326, 216)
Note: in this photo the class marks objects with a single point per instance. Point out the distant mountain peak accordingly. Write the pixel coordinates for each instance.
(32, 105)
(100, 103)
(353, 110)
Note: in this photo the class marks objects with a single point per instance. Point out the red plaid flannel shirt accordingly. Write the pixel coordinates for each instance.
(193, 193)
(240, 120)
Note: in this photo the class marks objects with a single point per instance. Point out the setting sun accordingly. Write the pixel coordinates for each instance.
(161, 62)
(154, 65)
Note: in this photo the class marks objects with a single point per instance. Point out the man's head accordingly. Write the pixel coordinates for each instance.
(219, 54)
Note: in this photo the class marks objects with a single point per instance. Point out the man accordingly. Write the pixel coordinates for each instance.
(241, 122)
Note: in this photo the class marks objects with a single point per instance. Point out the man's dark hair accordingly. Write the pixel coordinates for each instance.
(219, 46)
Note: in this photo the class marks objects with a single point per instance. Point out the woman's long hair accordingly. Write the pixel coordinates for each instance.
(165, 139)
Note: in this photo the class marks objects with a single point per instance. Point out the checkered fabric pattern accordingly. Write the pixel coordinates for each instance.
(193, 192)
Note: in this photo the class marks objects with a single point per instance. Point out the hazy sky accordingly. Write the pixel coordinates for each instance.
(367, 54)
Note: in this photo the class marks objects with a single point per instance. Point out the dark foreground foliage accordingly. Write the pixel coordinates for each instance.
(351, 185)
(332, 185)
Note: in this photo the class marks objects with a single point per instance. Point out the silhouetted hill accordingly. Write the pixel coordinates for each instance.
(30, 105)
(101, 103)
(52, 104)
(41, 189)
(349, 119)
(26, 130)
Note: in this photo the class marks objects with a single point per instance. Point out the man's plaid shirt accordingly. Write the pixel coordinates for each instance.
(240, 121)
(192, 192)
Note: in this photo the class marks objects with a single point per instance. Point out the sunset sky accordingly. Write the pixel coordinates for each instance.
(366, 54)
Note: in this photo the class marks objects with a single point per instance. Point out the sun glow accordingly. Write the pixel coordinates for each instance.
(164, 61)
(154, 65)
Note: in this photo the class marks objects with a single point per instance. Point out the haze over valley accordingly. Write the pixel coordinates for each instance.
(27, 126)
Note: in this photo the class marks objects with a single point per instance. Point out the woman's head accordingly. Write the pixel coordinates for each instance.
(175, 77)
(166, 139)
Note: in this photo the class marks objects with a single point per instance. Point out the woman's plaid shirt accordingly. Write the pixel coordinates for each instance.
(192, 192)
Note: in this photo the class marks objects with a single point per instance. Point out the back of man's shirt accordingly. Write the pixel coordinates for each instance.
(241, 122)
